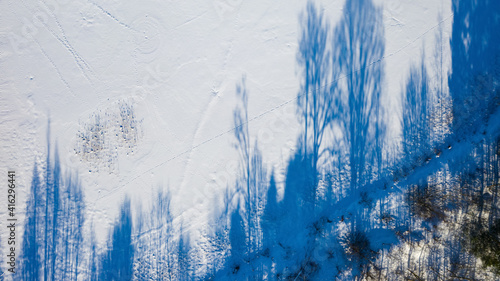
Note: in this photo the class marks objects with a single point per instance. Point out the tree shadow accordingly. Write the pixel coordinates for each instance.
(117, 260)
(475, 69)
(245, 231)
(160, 254)
(53, 231)
(315, 101)
(184, 257)
(415, 125)
(474, 84)
(342, 77)
(252, 178)
(31, 246)
(359, 46)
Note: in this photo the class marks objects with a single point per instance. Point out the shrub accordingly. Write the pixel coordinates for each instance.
(357, 249)
(485, 244)
(426, 202)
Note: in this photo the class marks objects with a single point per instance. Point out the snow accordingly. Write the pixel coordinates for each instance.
(177, 63)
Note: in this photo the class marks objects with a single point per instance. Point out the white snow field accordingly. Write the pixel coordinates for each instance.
(140, 95)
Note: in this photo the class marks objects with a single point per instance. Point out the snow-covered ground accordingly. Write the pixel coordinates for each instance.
(161, 78)
(177, 64)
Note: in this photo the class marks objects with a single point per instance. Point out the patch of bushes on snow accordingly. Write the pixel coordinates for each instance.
(104, 134)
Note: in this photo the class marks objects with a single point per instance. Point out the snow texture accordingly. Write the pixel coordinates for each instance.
(233, 140)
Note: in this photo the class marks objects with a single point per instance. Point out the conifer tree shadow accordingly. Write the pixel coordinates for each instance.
(296, 212)
(117, 260)
(51, 246)
(237, 240)
(31, 246)
(184, 259)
